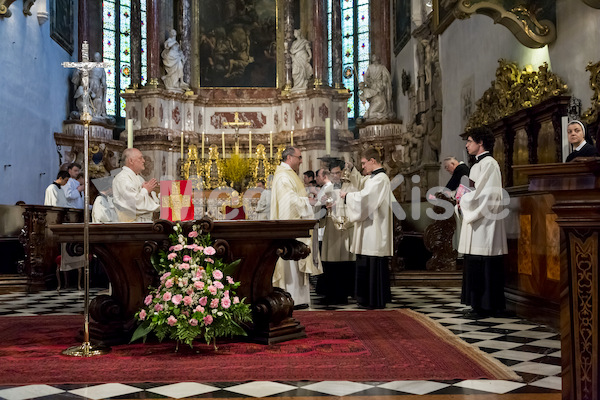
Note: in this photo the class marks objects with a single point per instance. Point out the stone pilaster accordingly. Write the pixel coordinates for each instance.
(319, 48)
(288, 28)
(336, 44)
(136, 44)
(153, 42)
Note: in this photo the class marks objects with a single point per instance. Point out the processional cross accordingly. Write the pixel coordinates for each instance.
(237, 124)
(86, 349)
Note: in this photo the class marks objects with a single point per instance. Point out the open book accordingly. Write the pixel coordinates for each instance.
(462, 189)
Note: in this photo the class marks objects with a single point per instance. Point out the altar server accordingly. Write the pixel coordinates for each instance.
(483, 236)
(54, 195)
(74, 188)
(133, 197)
(371, 209)
(290, 201)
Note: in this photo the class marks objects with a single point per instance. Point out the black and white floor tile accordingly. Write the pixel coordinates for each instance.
(530, 349)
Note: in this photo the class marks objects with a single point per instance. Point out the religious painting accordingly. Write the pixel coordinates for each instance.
(442, 14)
(61, 23)
(238, 44)
(402, 22)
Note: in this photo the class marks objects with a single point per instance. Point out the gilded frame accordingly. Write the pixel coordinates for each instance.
(238, 47)
(402, 24)
(443, 15)
(61, 23)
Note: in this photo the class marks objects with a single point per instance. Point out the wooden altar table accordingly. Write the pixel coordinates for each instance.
(125, 250)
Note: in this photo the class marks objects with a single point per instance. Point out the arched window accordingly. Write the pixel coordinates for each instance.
(355, 49)
(116, 49)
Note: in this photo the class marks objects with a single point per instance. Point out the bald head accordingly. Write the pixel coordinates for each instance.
(134, 159)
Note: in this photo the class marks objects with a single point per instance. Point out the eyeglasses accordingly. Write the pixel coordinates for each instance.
(299, 157)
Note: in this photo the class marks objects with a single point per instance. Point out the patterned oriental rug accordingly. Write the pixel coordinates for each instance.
(384, 345)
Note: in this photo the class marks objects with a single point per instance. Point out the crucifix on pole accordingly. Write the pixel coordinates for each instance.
(237, 124)
(86, 349)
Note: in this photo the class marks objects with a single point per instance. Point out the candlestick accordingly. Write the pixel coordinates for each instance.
(250, 144)
(271, 144)
(182, 146)
(202, 144)
(328, 136)
(223, 140)
(292, 138)
(129, 133)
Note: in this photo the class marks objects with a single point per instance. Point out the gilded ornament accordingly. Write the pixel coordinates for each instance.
(591, 114)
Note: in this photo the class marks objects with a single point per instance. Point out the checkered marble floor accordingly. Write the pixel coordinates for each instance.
(531, 350)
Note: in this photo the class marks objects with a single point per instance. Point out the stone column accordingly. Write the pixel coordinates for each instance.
(195, 46)
(288, 29)
(380, 31)
(336, 44)
(153, 42)
(319, 48)
(83, 25)
(185, 30)
(136, 44)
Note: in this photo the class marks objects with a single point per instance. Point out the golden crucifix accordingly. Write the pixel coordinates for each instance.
(237, 124)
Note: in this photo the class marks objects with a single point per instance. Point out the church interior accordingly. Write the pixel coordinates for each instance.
(212, 92)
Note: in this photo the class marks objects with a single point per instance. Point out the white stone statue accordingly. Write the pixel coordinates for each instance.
(377, 90)
(173, 60)
(301, 54)
(98, 89)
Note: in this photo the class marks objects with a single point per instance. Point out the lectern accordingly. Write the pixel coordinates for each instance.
(576, 190)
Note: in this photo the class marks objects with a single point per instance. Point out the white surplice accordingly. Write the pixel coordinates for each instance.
(74, 197)
(55, 196)
(132, 202)
(104, 209)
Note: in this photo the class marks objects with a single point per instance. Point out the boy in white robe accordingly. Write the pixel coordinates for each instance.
(54, 195)
(133, 197)
(74, 188)
(483, 236)
(371, 209)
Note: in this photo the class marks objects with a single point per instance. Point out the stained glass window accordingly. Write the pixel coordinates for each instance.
(116, 20)
(355, 49)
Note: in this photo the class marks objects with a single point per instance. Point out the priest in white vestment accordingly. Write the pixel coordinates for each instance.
(482, 235)
(133, 197)
(371, 209)
(290, 201)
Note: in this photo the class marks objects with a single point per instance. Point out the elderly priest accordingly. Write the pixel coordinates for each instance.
(133, 197)
(290, 201)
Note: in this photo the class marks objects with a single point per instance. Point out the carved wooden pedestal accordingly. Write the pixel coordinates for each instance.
(576, 189)
(125, 250)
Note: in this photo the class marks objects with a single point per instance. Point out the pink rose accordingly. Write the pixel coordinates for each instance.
(219, 285)
(167, 296)
(199, 285)
(142, 315)
(200, 309)
(177, 299)
(169, 283)
(208, 320)
(187, 258)
(230, 280)
(187, 300)
(189, 291)
(203, 301)
(165, 276)
(212, 289)
(185, 266)
(198, 248)
(225, 302)
(171, 256)
(158, 307)
(209, 260)
(226, 293)
(178, 247)
(193, 234)
(171, 320)
(193, 322)
(214, 303)
(171, 248)
(187, 314)
(209, 251)
(236, 300)
(148, 300)
(217, 274)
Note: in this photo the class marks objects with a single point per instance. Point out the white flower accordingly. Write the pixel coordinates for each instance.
(214, 310)
(219, 313)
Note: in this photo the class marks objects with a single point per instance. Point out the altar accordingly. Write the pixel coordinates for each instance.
(125, 250)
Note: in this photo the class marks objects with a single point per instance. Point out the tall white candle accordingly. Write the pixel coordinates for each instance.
(129, 133)
(271, 144)
(250, 143)
(202, 144)
(292, 138)
(182, 146)
(328, 136)
(223, 142)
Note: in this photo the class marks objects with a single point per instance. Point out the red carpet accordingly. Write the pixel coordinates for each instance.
(342, 345)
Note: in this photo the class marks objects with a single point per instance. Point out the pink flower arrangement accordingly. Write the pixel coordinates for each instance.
(192, 299)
